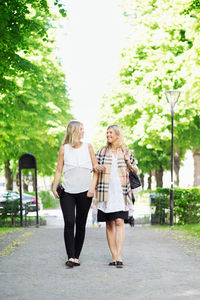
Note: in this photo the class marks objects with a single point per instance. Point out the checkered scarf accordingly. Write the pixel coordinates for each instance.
(104, 157)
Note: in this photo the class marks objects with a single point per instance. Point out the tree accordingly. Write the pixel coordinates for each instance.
(37, 108)
(161, 55)
(20, 20)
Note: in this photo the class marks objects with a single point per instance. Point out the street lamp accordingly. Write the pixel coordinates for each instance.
(172, 98)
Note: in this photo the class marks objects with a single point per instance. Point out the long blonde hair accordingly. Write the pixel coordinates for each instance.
(120, 143)
(72, 133)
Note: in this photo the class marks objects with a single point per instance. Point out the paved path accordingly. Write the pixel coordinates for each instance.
(157, 267)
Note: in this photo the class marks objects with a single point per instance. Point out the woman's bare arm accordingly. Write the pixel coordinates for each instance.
(95, 174)
(59, 170)
(91, 190)
(133, 167)
(92, 155)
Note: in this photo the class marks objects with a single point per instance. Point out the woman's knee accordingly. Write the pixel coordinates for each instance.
(80, 226)
(119, 222)
(110, 225)
(69, 223)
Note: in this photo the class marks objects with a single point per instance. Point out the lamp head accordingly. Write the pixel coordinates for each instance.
(172, 97)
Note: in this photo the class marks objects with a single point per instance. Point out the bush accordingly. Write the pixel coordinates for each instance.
(10, 210)
(48, 200)
(186, 204)
(161, 203)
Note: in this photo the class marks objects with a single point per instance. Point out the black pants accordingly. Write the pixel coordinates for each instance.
(75, 208)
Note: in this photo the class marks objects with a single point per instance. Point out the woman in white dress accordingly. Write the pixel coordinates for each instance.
(76, 160)
(113, 190)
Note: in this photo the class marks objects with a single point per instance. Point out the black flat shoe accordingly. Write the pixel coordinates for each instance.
(69, 264)
(76, 264)
(112, 263)
(119, 264)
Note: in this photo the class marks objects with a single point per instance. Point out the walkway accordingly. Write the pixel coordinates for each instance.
(157, 267)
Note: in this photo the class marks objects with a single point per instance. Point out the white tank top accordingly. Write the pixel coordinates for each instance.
(77, 169)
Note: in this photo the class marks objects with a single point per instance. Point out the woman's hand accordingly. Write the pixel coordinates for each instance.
(126, 155)
(99, 168)
(133, 167)
(55, 193)
(90, 193)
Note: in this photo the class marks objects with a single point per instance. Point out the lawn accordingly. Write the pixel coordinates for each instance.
(4, 230)
(191, 229)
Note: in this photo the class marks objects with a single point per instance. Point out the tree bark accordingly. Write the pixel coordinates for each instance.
(142, 179)
(8, 176)
(196, 156)
(177, 166)
(25, 183)
(159, 177)
(17, 180)
(149, 181)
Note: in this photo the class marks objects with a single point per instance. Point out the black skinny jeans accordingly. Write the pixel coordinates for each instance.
(75, 208)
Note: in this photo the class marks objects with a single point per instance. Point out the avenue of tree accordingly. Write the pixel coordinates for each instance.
(34, 105)
(162, 53)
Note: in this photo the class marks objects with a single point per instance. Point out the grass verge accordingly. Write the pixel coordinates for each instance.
(191, 229)
(4, 230)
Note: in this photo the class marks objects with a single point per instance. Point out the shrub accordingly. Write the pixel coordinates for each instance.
(10, 210)
(186, 204)
(161, 203)
(48, 200)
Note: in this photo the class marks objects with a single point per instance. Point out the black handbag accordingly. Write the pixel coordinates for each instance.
(130, 221)
(135, 183)
(60, 190)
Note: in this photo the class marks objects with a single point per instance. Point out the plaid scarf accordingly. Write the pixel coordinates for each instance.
(104, 157)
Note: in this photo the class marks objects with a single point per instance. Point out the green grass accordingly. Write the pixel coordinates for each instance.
(4, 230)
(191, 229)
(7, 223)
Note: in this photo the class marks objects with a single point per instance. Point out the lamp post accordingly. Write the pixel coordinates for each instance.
(172, 98)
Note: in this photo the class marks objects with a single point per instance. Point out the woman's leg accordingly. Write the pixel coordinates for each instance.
(111, 238)
(67, 203)
(119, 237)
(83, 204)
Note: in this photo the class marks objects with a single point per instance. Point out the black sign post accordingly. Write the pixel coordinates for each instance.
(28, 161)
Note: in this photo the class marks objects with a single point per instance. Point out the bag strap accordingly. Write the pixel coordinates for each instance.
(103, 154)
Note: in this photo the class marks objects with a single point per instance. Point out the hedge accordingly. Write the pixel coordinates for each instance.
(186, 205)
(48, 200)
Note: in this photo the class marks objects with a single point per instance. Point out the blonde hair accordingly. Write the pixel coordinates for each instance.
(72, 133)
(120, 143)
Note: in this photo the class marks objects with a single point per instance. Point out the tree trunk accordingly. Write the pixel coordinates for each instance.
(177, 166)
(25, 183)
(149, 181)
(196, 156)
(159, 177)
(142, 179)
(17, 180)
(8, 176)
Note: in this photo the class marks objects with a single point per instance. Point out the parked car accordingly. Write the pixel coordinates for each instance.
(28, 201)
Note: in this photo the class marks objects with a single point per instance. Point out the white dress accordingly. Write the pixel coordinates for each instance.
(115, 195)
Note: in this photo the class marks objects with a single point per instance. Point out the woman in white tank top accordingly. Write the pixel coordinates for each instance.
(76, 160)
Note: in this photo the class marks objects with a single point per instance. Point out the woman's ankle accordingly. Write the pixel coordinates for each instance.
(114, 258)
(71, 259)
(119, 258)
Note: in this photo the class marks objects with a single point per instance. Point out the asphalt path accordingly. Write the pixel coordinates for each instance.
(158, 265)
